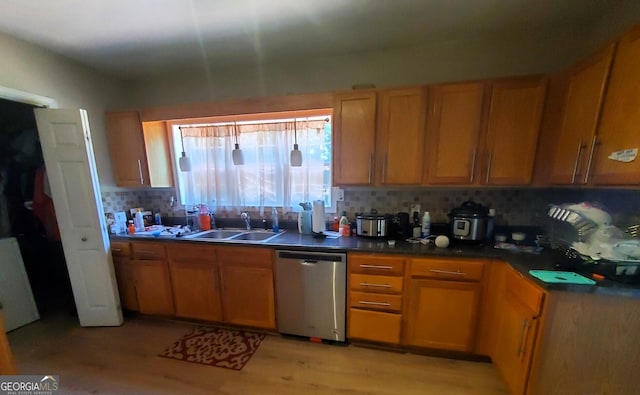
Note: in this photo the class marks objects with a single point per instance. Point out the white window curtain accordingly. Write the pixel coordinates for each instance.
(266, 178)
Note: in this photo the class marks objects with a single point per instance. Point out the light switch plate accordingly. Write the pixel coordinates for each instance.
(338, 194)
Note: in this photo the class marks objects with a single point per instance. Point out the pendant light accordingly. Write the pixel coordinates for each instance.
(184, 161)
(296, 154)
(236, 155)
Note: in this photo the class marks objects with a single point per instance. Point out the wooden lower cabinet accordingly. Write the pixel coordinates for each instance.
(375, 297)
(517, 330)
(151, 277)
(443, 314)
(125, 276)
(519, 310)
(195, 282)
(153, 286)
(246, 276)
(374, 325)
(444, 298)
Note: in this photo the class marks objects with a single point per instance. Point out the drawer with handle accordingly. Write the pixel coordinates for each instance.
(378, 284)
(148, 250)
(448, 269)
(369, 301)
(372, 264)
(120, 248)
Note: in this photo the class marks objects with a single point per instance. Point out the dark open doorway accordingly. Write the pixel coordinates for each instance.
(26, 210)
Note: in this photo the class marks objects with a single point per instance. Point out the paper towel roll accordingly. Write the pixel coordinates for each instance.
(318, 217)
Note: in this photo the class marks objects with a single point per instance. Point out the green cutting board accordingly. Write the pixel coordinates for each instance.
(557, 277)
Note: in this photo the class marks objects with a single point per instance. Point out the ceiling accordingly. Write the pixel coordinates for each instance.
(130, 38)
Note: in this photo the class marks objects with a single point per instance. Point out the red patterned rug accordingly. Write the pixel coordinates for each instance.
(220, 347)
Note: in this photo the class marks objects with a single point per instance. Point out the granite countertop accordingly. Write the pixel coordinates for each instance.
(521, 261)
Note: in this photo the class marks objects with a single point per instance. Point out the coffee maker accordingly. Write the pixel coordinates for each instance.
(401, 226)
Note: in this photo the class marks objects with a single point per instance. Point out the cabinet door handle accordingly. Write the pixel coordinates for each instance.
(458, 273)
(384, 168)
(370, 166)
(375, 285)
(525, 324)
(140, 172)
(591, 152)
(374, 303)
(575, 164)
(486, 181)
(116, 249)
(376, 267)
(473, 165)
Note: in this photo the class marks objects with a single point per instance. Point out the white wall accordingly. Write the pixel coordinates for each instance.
(35, 70)
(476, 58)
(620, 17)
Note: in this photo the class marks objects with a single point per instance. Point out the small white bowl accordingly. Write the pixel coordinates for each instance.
(391, 243)
(518, 236)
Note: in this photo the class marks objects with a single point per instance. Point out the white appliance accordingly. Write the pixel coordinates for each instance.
(18, 306)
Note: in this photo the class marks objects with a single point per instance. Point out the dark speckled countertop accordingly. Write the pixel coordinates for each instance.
(521, 261)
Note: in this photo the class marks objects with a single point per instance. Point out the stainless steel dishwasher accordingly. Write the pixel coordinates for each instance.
(311, 294)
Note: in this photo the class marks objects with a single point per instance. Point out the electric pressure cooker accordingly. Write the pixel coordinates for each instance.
(469, 221)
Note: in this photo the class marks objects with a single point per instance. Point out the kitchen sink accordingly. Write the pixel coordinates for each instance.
(235, 235)
(255, 236)
(217, 234)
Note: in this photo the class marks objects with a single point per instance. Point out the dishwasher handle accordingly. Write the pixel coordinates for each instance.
(309, 256)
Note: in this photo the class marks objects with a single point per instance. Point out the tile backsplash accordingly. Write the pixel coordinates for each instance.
(514, 206)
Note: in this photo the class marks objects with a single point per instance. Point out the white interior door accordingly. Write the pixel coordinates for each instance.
(19, 307)
(68, 155)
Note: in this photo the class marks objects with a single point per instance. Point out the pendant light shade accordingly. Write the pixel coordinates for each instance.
(296, 154)
(184, 162)
(236, 155)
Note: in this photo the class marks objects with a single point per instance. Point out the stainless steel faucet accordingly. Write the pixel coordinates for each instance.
(247, 219)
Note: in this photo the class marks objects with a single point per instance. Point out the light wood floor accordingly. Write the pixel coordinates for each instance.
(123, 360)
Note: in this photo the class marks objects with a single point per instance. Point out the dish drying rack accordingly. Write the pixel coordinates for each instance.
(564, 227)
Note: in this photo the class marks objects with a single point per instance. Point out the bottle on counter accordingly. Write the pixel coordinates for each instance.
(131, 229)
(274, 220)
(336, 225)
(417, 229)
(157, 218)
(426, 224)
(344, 228)
(138, 221)
(203, 217)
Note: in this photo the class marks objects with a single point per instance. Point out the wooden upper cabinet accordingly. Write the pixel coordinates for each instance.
(620, 123)
(140, 153)
(158, 154)
(584, 94)
(126, 147)
(400, 139)
(453, 132)
(512, 130)
(354, 138)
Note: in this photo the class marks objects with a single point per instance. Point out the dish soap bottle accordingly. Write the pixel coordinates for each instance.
(426, 224)
(274, 220)
(343, 226)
